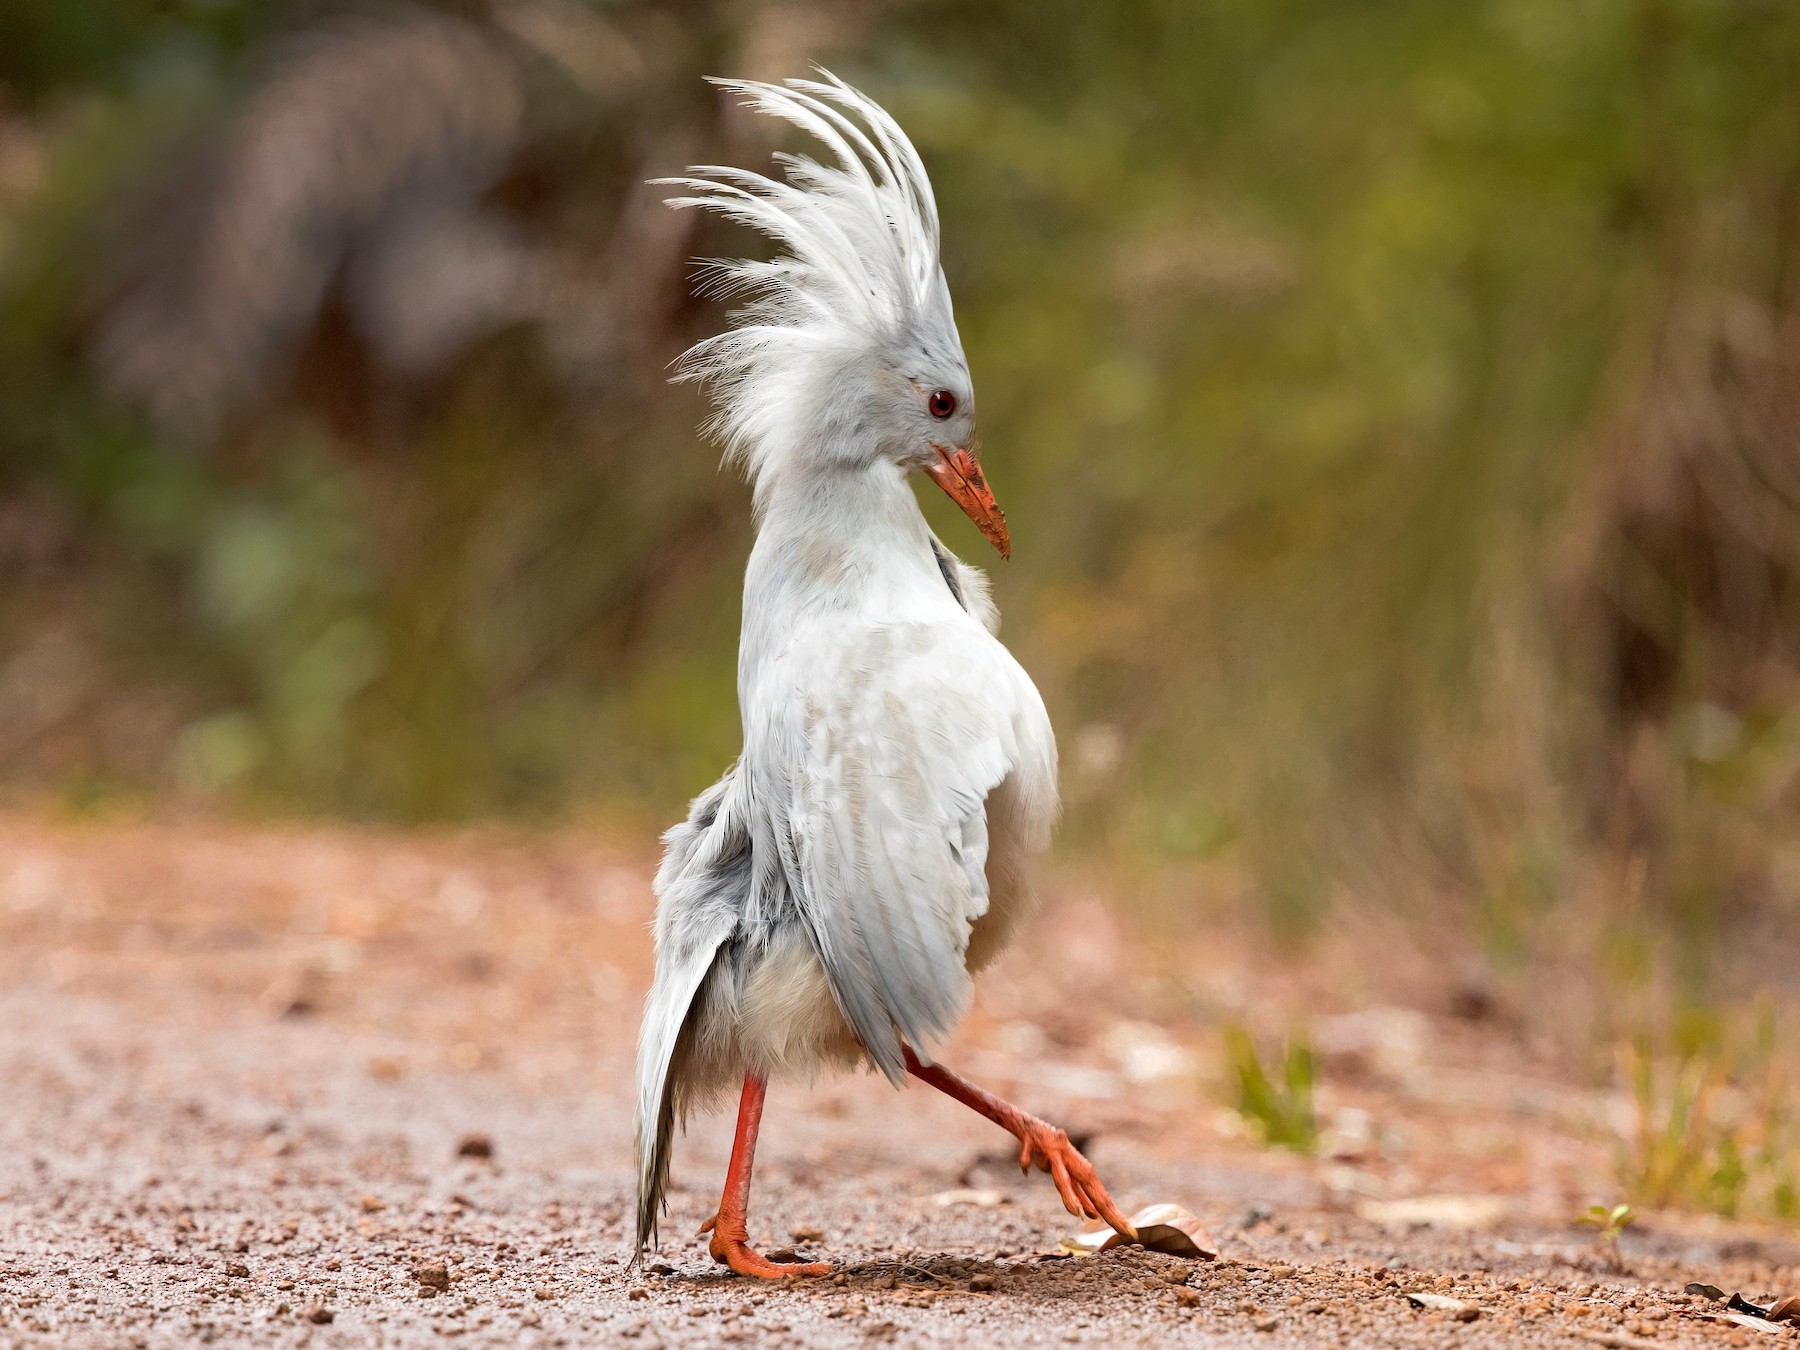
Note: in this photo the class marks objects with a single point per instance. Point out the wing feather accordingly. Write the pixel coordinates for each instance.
(904, 732)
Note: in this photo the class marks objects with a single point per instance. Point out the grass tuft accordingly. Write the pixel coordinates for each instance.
(1278, 1106)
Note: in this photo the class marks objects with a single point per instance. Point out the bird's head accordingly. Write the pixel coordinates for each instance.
(846, 356)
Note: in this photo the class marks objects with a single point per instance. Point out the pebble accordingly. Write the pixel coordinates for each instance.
(319, 1314)
(475, 1145)
(981, 1284)
(432, 1274)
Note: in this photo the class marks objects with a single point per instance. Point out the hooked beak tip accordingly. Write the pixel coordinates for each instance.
(959, 474)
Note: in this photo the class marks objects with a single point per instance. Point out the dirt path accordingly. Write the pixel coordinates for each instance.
(248, 1079)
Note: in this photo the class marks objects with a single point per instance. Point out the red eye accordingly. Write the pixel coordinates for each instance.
(942, 404)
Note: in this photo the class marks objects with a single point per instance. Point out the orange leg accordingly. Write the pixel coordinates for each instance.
(729, 1227)
(1040, 1144)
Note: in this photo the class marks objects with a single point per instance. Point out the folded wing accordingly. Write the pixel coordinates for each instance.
(898, 738)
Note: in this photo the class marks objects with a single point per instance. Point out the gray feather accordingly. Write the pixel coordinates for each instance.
(700, 889)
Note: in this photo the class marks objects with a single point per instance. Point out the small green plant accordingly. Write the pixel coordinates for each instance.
(1280, 1109)
(1609, 1223)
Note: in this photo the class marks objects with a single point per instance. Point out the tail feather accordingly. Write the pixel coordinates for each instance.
(666, 1017)
(700, 890)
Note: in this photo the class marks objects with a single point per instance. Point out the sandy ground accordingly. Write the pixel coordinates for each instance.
(255, 1083)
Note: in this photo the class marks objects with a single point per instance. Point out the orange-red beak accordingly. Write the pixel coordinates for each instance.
(959, 474)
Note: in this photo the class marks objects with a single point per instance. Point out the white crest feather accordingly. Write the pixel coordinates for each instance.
(859, 267)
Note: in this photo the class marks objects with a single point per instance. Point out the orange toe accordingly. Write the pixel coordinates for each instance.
(736, 1253)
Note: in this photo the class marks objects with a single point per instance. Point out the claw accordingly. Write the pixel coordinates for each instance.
(1075, 1178)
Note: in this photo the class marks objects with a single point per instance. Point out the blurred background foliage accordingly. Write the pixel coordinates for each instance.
(1396, 404)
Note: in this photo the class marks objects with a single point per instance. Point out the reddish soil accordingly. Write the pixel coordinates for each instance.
(255, 1082)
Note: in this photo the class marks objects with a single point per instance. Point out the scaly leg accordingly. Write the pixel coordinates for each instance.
(729, 1227)
(1040, 1143)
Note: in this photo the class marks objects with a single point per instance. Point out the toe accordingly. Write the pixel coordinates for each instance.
(1059, 1172)
(747, 1262)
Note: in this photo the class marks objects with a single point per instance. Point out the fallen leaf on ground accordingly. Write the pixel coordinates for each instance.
(1786, 1310)
(966, 1196)
(1160, 1228)
(1761, 1324)
(1462, 1312)
(1742, 1311)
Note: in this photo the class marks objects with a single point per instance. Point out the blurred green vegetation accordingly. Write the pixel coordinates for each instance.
(1277, 1106)
(1713, 1124)
(1394, 403)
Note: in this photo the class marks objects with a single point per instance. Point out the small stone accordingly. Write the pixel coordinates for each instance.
(282, 1310)
(1265, 1324)
(319, 1314)
(1178, 1274)
(432, 1274)
(372, 1204)
(806, 1232)
(237, 1268)
(637, 1295)
(475, 1145)
(334, 1264)
(981, 1284)
(784, 1254)
(544, 1293)
(284, 1285)
(1187, 1298)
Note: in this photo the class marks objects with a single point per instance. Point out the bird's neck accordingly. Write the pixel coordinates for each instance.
(848, 538)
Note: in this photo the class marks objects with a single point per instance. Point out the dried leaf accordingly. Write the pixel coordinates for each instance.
(1712, 1291)
(1086, 1244)
(1462, 1312)
(1786, 1310)
(1738, 1303)
(1761, 1324)
(979, 1199)
(1160, 1228)
(1171, 1229)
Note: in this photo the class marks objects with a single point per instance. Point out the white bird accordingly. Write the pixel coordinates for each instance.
(827, 901)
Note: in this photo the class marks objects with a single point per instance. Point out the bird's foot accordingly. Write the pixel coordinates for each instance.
(1047, 1148)
(732, 1248)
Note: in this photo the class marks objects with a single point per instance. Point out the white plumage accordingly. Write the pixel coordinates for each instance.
(826, 902)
